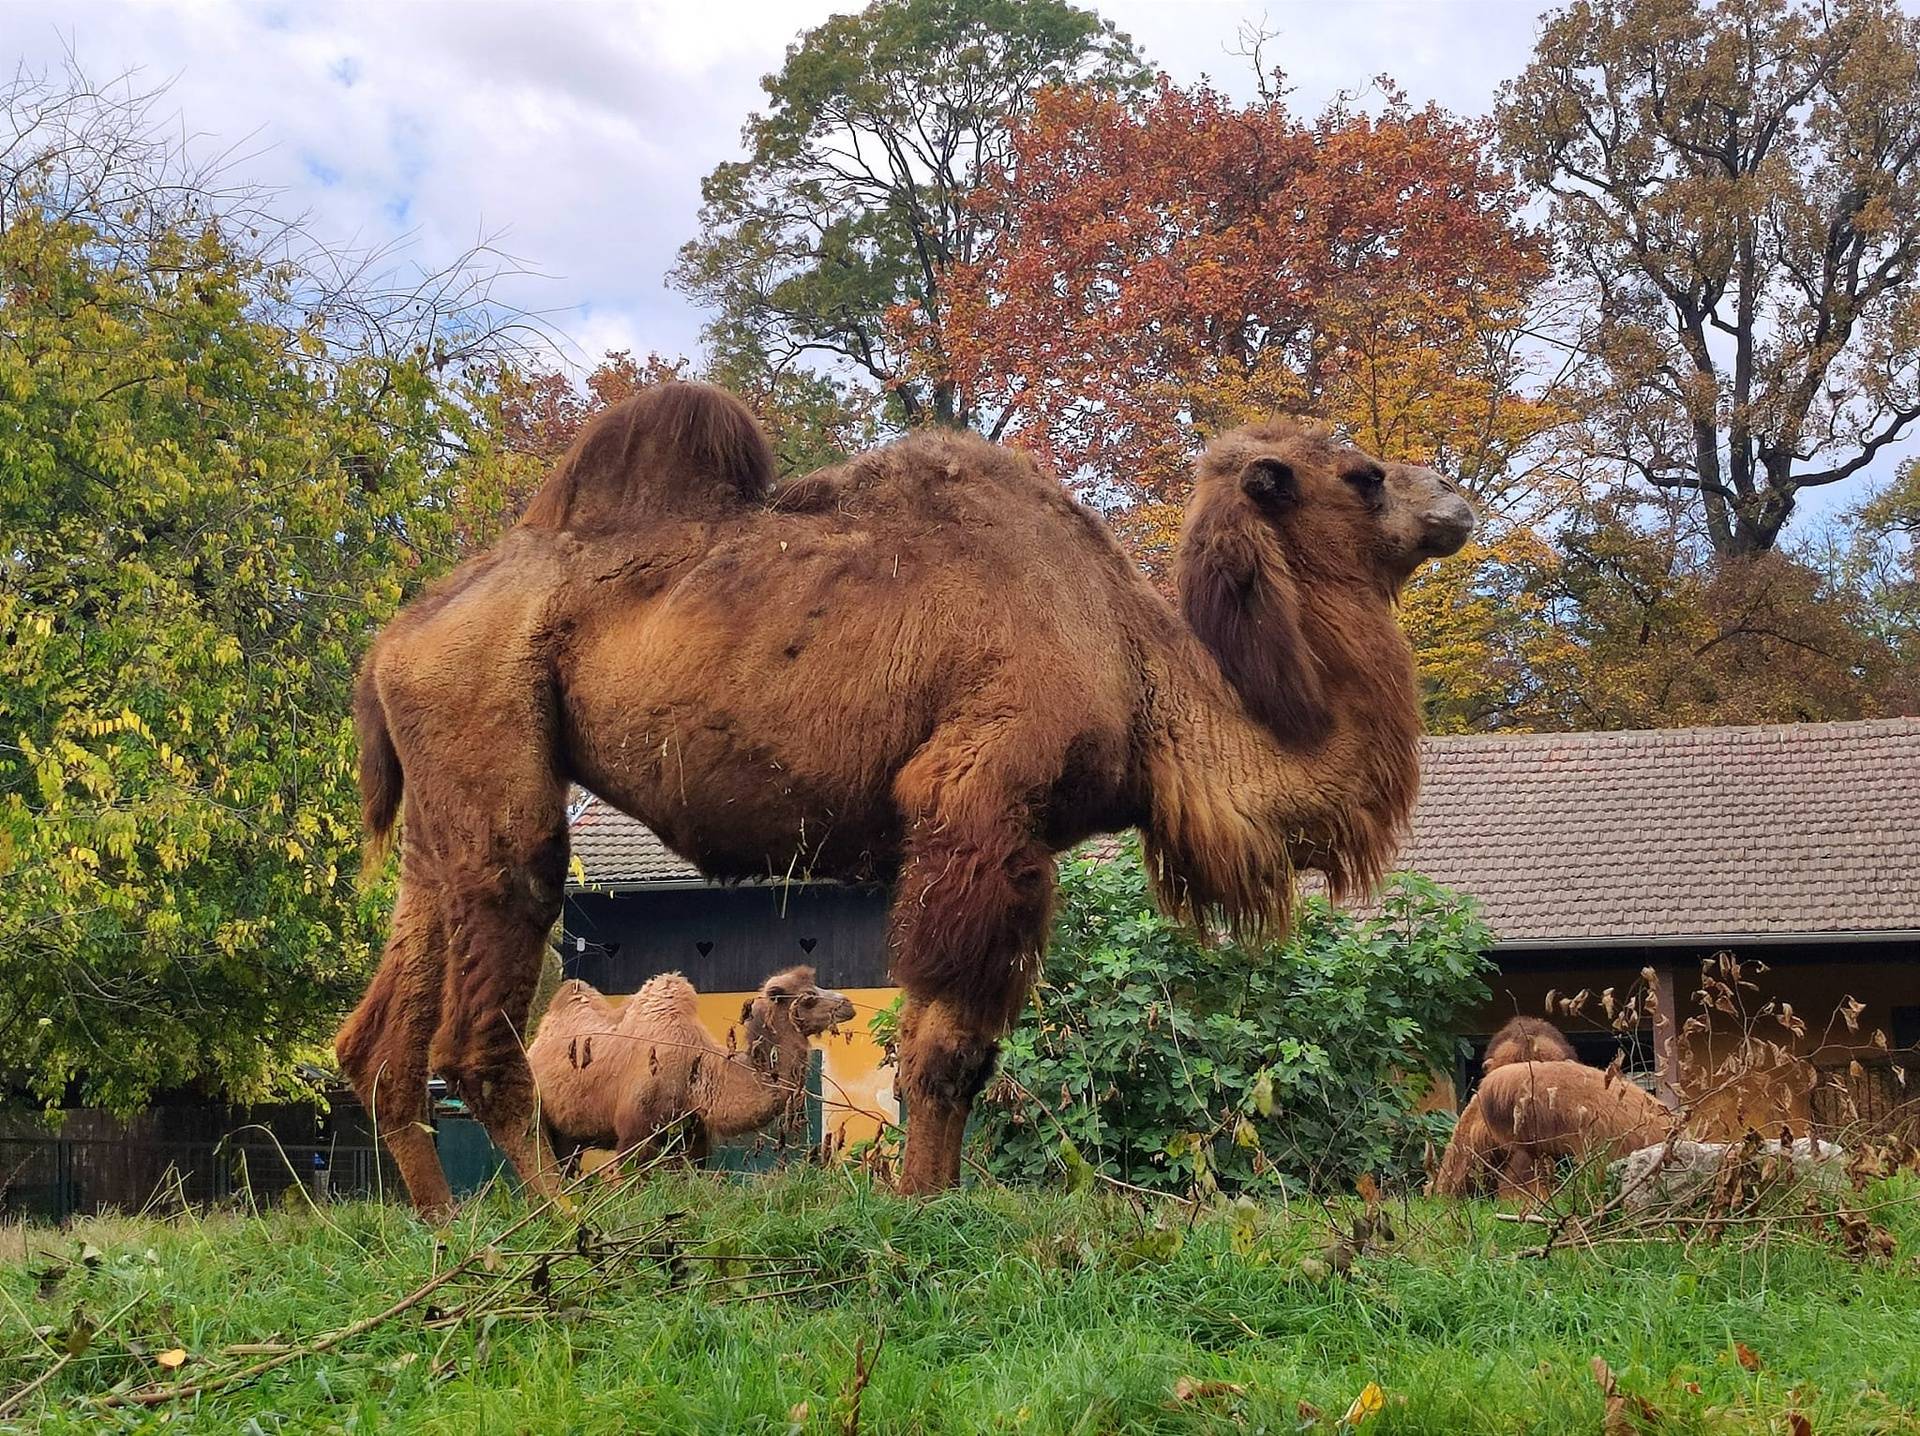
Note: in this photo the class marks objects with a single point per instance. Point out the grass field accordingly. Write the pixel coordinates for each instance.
(989, 1311)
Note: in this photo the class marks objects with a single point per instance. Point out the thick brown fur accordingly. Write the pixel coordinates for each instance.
(621, 1077)
(928, 666)
(1527, 1115)
(1527, 1039)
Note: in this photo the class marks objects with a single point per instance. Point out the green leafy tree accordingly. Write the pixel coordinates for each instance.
(1168, 1063)
(1736, 186)
(220, 469)
(831, 242)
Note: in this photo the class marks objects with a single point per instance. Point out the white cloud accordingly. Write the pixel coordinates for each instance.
(579, 133)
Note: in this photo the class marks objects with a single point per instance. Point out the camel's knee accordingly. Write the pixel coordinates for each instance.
(943, 1059)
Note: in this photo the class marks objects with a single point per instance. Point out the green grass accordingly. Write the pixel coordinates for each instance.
(1001, 1311)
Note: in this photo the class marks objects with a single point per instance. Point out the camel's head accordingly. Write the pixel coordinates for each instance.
(1295, 547)
(794, 997)
(1527, 1039)
(1337, 512)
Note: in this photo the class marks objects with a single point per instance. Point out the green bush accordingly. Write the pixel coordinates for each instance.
(1171, 1063)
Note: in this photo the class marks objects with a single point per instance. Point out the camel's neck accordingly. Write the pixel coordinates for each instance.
(750, 1095)
(778, 1050)
(1238, 808)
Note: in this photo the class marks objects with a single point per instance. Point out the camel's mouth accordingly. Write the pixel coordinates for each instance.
(836, 1010)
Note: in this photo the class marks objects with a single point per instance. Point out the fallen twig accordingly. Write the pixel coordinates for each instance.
(161, 1395)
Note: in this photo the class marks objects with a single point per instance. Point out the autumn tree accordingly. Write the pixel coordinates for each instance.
(1168, 269)
(225, 456)
(1736, 186)
(856, 195)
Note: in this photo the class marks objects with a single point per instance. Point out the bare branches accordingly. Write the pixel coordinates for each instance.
(1757, 179)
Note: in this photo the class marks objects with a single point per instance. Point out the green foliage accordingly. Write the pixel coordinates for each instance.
(1170, 1063)
(210, 495)
(853, 201)
(1040, 1313)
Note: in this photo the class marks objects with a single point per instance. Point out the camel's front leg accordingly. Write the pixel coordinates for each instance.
(970, 920)
(944, 1064)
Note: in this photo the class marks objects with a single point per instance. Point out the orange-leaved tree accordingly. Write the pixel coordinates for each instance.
(1166, 269)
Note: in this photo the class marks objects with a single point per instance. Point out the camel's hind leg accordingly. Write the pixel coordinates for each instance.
(383, 1046)
(503, 894)
(969, 923)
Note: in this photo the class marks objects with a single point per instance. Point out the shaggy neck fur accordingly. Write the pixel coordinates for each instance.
(747, 1096)
(1251, 784)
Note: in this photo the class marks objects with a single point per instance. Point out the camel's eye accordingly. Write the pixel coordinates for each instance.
(1369, 481)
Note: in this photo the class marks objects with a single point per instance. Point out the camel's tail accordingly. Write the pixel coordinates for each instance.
(381, 780)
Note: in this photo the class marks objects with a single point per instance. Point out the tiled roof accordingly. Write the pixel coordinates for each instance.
(610, 847)
(1657, 834)
(1675, 833)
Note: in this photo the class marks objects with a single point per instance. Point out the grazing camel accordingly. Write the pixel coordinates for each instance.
(1527, 1039)
(620, 1076)
(1535, 1106)
(928, 666)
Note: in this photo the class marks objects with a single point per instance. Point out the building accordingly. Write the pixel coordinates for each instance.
(1595, 857)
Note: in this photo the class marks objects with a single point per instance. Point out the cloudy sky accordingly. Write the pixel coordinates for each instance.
(578, 133)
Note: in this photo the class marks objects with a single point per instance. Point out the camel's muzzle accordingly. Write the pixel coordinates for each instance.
(1446, 525)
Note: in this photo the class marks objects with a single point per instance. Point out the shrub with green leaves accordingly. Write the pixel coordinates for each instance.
(1172, 1063)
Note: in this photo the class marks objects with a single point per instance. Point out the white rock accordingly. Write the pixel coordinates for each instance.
(1653, 1176)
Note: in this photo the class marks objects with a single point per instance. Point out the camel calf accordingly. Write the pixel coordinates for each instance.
(621, 1076)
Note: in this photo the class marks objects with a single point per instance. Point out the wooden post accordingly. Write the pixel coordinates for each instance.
(1666, 1034)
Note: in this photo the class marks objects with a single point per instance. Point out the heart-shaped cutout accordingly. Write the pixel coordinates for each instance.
(704, 948)
(808, 944)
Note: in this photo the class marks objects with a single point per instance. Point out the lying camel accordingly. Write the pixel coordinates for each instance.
(1527, 1110)
(621, 1076)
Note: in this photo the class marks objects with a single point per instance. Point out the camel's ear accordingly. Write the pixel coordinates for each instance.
(746, 1008)
(1241, 602)
(1270, 483)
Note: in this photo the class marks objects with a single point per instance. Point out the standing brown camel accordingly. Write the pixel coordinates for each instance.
(930, 666)
(1527, 1115)
(619, 1076)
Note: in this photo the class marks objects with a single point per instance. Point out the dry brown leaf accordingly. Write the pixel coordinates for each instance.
(1798, 1424)
(1744, 1354)
(173, 1358)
